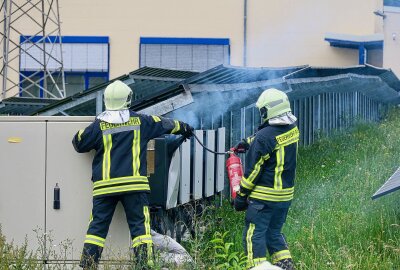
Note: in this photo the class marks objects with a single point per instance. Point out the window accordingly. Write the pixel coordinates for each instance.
(31, 85)
(85, 63)
(74, 83)
(194, 54)
(93, 81)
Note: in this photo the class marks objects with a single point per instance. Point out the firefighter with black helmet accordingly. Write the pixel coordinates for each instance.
(119, 172)
(267, 187)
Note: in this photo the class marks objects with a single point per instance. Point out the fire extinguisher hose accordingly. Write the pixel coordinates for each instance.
(209, 150)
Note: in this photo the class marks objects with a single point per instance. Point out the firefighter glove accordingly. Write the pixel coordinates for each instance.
(241, 202)
(186, 130)
(242, 146)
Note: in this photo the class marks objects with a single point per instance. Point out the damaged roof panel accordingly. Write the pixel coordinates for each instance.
(144, 82)
(22, 105)
(231, 75)
(311, 71)
(172, 89)
(162, 74)
(363, 70)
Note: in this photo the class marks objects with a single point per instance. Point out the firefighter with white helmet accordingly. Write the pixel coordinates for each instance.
(117, 96)
(119, 172)
(267, 186)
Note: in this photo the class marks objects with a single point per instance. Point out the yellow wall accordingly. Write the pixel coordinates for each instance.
(280, 32)
(126, 21)
(290, 32)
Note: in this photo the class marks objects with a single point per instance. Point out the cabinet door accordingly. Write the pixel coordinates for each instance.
(72, 172)
(22, 181)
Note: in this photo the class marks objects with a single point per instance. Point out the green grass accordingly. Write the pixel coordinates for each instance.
(333, 223)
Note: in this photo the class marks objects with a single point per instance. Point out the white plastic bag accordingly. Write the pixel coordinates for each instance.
(170, 250)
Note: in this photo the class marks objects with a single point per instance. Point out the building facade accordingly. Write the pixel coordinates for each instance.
(198, 35)
(391, 24)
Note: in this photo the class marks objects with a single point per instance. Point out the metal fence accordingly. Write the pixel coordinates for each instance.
(326, 113)
(319, 115)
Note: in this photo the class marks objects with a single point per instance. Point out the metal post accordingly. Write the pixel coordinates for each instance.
(44, 49)
(230, 130)
(355, 105)
(99, 102)
(242, 123)
(305, 121)
(7, 15)
(319, 113)
(310, 120)
(362, 55)
(301, 121)
(63, 91)
(340, 110)
(253, 121)
(330, 100)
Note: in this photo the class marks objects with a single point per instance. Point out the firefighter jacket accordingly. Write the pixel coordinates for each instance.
(271, 164)
(119, 164)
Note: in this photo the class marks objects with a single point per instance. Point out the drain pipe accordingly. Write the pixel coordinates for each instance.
(245, 34)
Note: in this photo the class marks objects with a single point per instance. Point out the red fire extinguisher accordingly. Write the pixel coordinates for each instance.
(235, 172)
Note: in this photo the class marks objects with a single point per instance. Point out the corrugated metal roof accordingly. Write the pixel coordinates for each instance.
(385, 75)
(144, 82)
(212, 93)
(310, 71)
(161, 73)
(237, 83)
(22, 105)
(217, 76)
(79, 95)
(370, 86)
(230, 75)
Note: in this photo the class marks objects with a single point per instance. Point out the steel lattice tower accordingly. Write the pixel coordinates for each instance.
(41, 47)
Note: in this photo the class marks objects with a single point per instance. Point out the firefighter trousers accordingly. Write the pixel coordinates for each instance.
(138, 218)
(263, 231)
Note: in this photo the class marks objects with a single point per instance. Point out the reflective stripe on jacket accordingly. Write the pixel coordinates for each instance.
(119, 164)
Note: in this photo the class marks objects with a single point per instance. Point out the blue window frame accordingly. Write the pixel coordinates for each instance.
(85, 75)
(176, 40)
(194, 54)
(392, 3)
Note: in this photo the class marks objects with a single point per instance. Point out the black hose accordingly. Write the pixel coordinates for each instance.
(209, 150)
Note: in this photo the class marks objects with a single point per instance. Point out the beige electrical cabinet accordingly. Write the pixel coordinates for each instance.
(36, 153)
(22, 180)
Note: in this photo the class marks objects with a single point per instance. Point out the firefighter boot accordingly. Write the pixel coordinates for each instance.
(286, 264)
(143, 258)
(88, 264)
(90, 257)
